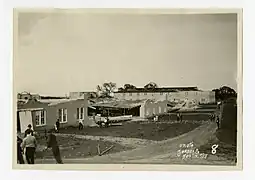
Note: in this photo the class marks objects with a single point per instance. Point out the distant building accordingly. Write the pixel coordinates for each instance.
(151, 108)
(75, 95)
(138, 108)
(167, 93)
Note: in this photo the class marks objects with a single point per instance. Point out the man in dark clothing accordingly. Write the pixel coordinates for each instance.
(106, 122)
(19, 151)
(178, 116)
(53, 144)
(218, 122)
(29, 144)
(57, 125)
(212, 117)
(29, 130)
(80, 124)
(45, 134)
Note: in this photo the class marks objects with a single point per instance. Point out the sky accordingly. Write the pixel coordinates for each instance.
(60, 52)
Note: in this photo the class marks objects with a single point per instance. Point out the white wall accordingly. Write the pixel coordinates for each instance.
(25, 120)
(155, 108)
(198, 96)
(142, 111)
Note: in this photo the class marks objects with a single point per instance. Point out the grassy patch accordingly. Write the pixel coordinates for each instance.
(79, 148)
(150, 131)
(186, 116)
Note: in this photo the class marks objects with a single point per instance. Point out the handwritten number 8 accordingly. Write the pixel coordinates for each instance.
(214, 147)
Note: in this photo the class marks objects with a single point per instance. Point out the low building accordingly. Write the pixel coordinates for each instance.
(43, 115)
(151, 108)
(169, 94)
(75, 95)
(117, 108)
(138, 108)
(26, 114)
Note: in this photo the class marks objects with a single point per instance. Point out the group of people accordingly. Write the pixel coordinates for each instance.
(213, 117)
(27, 146)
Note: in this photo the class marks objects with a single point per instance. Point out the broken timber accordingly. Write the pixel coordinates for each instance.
(106, 150)
(98, 150)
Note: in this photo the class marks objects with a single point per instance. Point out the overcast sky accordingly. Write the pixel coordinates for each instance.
(62, 52)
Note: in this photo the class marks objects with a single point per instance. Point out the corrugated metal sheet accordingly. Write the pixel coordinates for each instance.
(60, 101)
(30, 109)
(119, 104)
(33, 103)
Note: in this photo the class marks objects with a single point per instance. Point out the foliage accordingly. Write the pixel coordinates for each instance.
(151, 85)
(129, 86)
(106, 90)
(224, 93)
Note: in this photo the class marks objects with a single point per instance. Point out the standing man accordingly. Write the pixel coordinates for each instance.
(178, 116)
(213, 116)
(154, 117)
(53, 144)
(30, 144)
(106, 121)
(45, 134)
(19, 151)
(57, 126)
(80, 124)
(29, 129)
(210, 117)
(218, 122)
(94, 117)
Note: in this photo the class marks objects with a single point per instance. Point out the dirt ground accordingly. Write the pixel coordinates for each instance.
(165, 152)
(162, 152)
(83, 144)
(71, 147)
(159, 142)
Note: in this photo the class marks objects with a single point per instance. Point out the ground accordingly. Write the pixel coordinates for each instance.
(72, 147)
(148, 142)
(143, 130)
(84, 143)
(161, 151)
(225, 136)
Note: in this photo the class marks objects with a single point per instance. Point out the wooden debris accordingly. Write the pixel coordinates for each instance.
(98, 150)
(117, 124)
(108, 149)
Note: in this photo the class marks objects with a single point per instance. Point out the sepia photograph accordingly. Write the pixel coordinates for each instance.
(127, 87)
